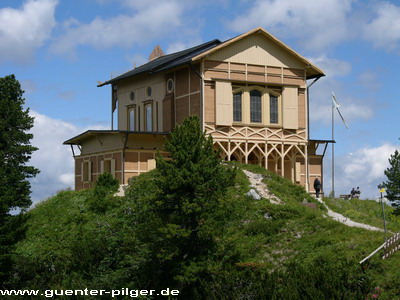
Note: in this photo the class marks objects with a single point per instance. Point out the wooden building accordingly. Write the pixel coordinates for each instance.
(250, 93)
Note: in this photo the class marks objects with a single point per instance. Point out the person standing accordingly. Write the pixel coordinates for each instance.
(317, 186)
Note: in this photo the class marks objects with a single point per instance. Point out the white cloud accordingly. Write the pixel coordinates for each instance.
(53, 159)
(331, 66)
(149, 22)
(316, 24)
(24, 30)
(364, 168)
(384, 30)
(352, 108)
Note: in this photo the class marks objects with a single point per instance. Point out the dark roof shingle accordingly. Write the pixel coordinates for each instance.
(167, 61)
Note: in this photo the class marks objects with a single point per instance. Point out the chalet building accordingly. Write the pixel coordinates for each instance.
(250, 93)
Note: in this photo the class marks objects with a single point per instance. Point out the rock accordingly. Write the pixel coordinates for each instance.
(267, 216)
(253, 194)
(258, 177)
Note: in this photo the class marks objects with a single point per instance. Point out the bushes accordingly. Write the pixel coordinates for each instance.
(102, 194)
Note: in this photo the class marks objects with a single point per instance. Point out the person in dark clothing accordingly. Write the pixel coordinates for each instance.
(357, 193)
(317, 187)
(353, 193)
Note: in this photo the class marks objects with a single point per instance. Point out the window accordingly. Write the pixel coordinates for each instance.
(87, 171)
(149, 117)
(273, 109)
(107, 166)
(170, 85)
(237, 107)
(149, 91)
(255, 106)
(131, 119)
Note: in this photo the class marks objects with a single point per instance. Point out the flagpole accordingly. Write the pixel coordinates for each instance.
(333, 150)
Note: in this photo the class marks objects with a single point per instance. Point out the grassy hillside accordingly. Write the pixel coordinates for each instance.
(283, 251)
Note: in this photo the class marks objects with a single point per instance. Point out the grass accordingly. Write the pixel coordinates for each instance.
(291, 235)
(365, 211)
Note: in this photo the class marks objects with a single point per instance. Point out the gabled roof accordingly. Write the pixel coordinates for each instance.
(313, 71)
(167, 61)
(199, 52)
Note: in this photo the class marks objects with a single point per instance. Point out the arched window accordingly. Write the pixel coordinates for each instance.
(237, 107)
(149, 118)
(255, 106)
(132, 119)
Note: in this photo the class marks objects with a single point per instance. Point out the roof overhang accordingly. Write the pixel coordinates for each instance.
(77, 140)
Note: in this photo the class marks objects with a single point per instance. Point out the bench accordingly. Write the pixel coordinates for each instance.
(345, 196)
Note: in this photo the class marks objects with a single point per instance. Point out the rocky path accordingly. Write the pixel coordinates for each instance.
(261, 188)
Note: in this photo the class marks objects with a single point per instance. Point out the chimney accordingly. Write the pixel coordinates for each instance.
(156, 53)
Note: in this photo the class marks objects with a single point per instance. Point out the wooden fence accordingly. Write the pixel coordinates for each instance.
(391, 245)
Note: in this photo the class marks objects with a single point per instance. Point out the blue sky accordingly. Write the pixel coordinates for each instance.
(59, 49)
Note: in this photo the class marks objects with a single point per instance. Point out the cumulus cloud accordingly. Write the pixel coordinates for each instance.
(384, 30)
(53, 159)
(142, 26)
(364, 168)
(316, 24)
(331, 66)
(24, 30)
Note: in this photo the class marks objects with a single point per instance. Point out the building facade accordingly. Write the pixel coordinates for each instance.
(250, 93)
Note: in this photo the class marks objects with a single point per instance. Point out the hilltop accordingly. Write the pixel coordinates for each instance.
(261, 249)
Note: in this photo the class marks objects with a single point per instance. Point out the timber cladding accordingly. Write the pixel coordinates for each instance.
(182, 108)
(209, 109)
(302, 108)
(168, 111)
(254, 73)
(195, 104)
(195, 79)
(89, 167)
(182, 82)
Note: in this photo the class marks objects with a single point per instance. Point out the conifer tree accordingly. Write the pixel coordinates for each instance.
(190, 183)
(15, 152)
(393, 177)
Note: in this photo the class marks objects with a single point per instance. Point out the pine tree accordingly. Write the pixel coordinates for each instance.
(190, 183)
(15, 152)
(393, 177)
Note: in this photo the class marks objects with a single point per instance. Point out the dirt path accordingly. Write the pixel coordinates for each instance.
(346, 221)
(261, 188)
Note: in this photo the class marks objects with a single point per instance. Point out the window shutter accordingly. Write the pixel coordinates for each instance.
(224, 101)
(151, 164)
(113, 167)
(102, 167)
(89, 170)
(290, 109)
(298, 168)
(82, 172)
